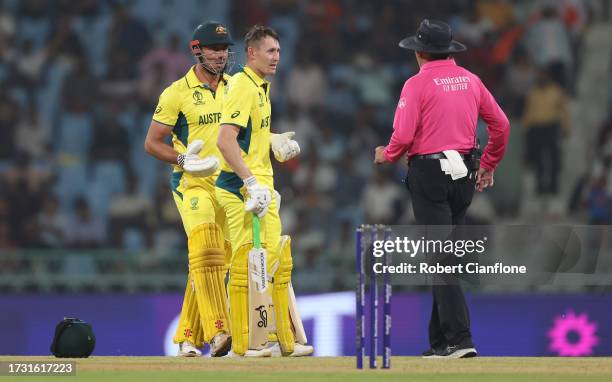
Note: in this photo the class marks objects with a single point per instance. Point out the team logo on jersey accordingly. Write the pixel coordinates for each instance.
(194, 203)
(198, 98)
(261, 100)
(221, 29)
(219, 324)
(402, 103)
(158, 110)
(235, 114)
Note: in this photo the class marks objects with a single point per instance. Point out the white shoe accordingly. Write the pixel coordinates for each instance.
(188, 349)
(220, 344)
(258, 353)
(299, 350)
(263, 353)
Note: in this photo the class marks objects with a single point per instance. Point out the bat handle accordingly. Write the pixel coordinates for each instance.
(256, 232)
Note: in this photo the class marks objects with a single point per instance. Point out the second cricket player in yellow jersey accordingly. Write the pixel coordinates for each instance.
(189, 111)
(245, 187)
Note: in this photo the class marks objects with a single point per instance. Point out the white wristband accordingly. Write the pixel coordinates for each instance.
(250, 181)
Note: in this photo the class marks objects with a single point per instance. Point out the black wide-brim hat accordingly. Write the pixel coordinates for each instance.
(433, 36)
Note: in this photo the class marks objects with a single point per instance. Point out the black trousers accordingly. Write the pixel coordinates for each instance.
(544, 153)
(438, 200)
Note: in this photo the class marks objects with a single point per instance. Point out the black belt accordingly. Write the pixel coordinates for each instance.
(434, 156)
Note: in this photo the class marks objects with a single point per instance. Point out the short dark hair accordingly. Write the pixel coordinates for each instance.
(257, 33)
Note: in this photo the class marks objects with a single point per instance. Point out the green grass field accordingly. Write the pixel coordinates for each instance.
(330, 369)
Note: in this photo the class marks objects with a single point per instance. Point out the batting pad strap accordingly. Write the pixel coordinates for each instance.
(206, 247)
(283, 274)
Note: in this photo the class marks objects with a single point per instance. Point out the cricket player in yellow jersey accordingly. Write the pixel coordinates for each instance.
(189, 110)
(245, 187)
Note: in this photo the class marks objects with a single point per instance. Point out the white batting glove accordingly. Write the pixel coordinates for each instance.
(259, 197)
(193, 164)
(283, 147)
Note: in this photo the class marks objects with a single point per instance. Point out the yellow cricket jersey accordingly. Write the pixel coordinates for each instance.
(193, 111)
(247, 105)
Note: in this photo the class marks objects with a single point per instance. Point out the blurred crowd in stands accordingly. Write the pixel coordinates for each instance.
(80, 81)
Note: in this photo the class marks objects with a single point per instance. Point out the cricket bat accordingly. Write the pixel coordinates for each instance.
(259, 322)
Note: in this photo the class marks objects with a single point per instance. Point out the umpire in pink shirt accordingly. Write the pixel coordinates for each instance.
(438, 111)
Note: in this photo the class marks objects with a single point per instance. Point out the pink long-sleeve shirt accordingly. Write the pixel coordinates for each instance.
(438, 110)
